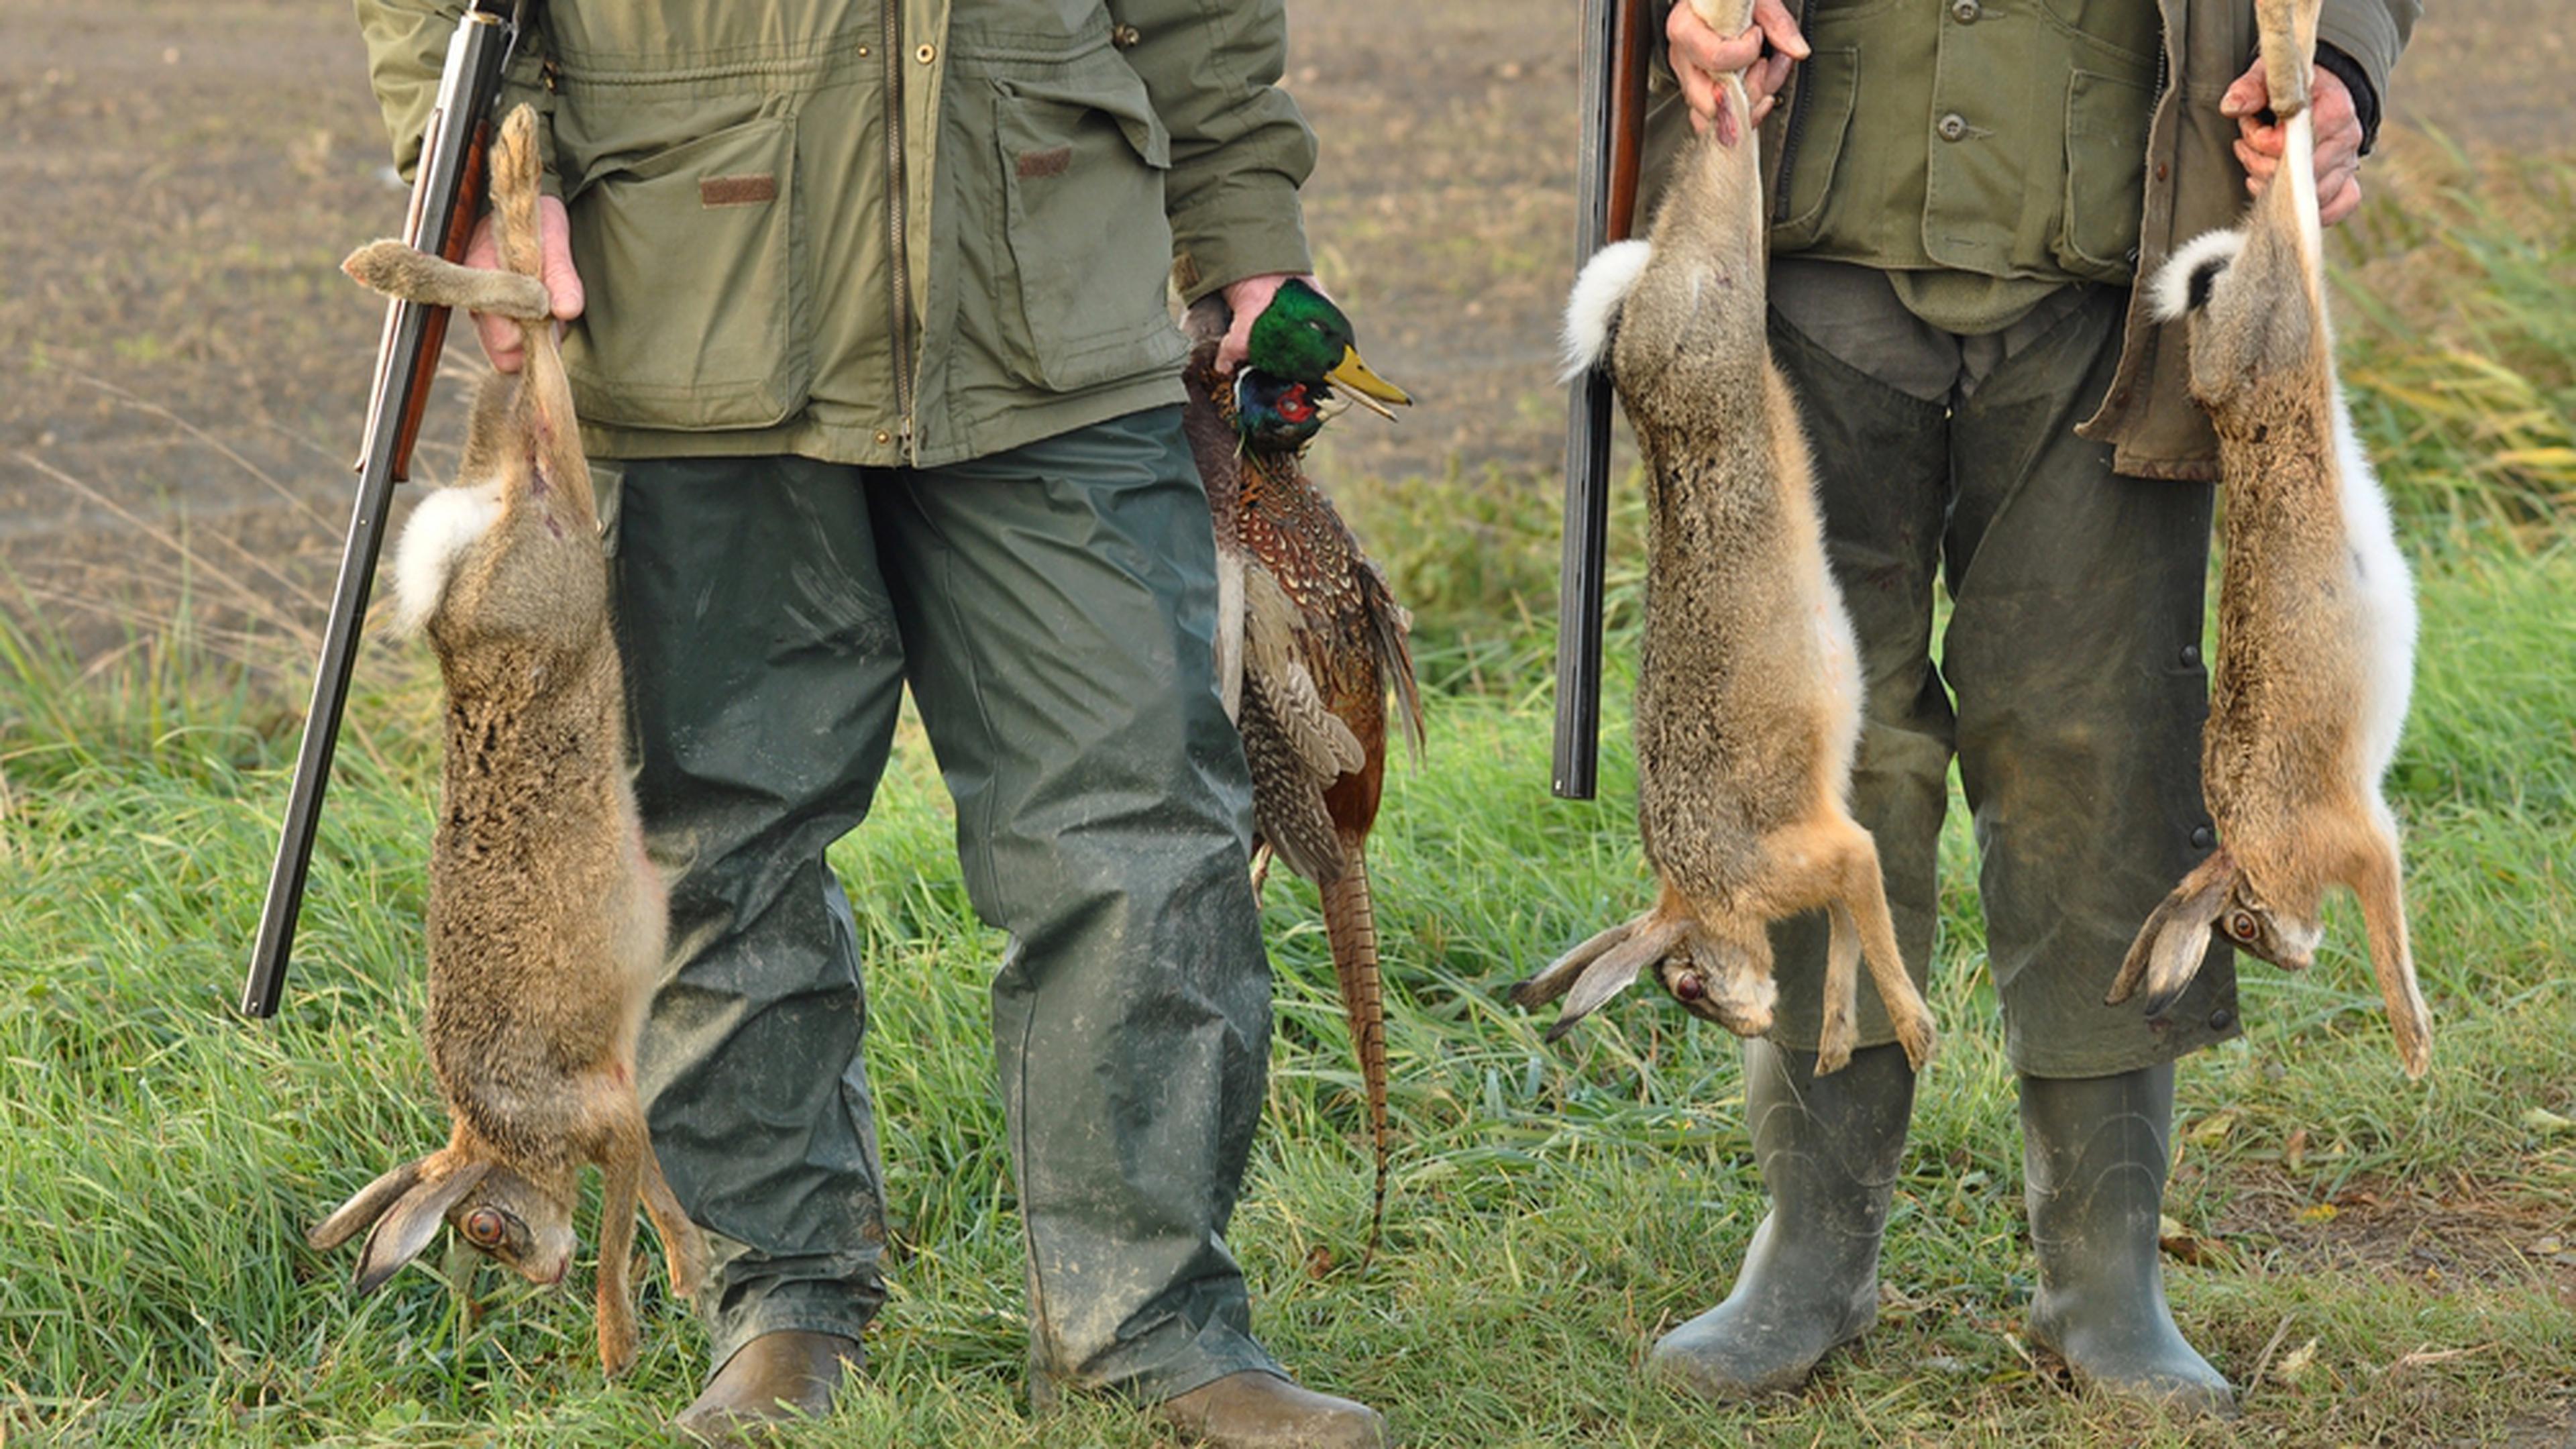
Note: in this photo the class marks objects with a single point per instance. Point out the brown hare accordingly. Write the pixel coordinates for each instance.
(2316, 612)
(1749, 693)
(545, 919)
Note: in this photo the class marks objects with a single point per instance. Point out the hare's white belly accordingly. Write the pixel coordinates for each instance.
(2387, 593)
(1838, 683)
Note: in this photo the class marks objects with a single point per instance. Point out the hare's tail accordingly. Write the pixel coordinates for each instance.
(2183, 284)
(1592, 313)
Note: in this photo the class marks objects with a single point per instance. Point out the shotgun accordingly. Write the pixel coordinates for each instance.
(446, 193)
(1618, 39)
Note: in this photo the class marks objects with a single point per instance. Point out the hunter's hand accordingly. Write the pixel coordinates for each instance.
(1245, 300)
(2259, 147)
(502, 340)
(1700, 56)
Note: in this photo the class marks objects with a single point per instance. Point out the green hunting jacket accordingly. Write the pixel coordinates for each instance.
(2036, 143)
(887, 232)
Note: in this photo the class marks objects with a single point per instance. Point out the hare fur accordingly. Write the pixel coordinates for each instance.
(2316, 610)
(1749, 691)
(545, 919)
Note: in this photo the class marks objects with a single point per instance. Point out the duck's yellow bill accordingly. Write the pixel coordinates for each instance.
(1372, 391)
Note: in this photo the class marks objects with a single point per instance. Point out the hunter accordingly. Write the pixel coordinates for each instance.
(865, 314)
(1964, 194)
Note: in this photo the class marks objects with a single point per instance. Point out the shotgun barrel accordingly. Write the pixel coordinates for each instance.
(445, 195)
(1617, 41)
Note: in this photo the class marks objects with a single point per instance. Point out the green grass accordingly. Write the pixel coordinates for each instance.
(1553, 1208)
(2459, 347)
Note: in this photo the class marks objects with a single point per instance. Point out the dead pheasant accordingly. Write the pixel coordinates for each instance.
(1310, 640)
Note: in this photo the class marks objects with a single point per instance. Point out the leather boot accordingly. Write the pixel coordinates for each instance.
(1828, 1149)
(777, 1376)
(1257, 1410)
(2093, 1159)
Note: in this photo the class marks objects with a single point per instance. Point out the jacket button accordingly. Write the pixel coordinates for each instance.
(2221, 1019)
(1952, 126)
(1965, 11)
(884, 437)
(926, 54)
(2190, 654)
(2202, 837)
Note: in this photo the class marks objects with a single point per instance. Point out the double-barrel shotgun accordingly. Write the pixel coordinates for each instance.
(1618, 39)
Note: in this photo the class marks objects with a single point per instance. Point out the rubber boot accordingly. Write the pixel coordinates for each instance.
(2093, 1157)
(776, 1376)
(1257, 1410)
(1828, 1149)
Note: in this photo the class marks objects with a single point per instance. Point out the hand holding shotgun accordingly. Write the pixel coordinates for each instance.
(1617, 49)
(446, 193)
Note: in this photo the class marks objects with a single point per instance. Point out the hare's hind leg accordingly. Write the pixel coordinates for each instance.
(1865, 894)
(2376, 879)
(515, 177)
(415, 276)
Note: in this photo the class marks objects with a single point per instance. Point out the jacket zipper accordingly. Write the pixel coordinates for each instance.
(1797, 124)
(900, 270)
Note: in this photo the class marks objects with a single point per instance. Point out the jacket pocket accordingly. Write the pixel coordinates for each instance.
(1082, 159)
(687, 255)
(1811, 146)
(2106, 175)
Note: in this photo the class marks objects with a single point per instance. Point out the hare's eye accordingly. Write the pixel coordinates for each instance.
(2242, 925)
(1688, 987)
(484, 1227)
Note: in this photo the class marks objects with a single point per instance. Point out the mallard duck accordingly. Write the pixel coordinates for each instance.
(1310, 640)
(1296, 351)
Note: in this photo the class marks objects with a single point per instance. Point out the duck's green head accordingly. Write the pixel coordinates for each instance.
(1303, 337)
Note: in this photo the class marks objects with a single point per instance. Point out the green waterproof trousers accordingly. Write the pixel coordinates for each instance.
(1053, 609)
(2069, 685)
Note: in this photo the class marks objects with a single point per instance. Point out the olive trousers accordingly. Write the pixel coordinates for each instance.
(2069, 683)
(1053, 610)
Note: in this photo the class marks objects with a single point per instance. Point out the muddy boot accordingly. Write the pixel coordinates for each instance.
(2094, 1155)
(1257, 1410)
(783, 1375)
(1828, 1148)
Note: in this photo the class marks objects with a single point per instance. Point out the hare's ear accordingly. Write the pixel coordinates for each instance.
(1602, 967)
(364, 1208)
(406, 1230)
(2169, 948)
